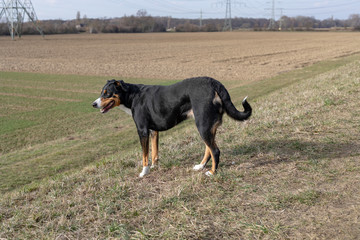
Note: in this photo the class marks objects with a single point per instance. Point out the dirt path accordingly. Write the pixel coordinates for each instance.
(244, 56)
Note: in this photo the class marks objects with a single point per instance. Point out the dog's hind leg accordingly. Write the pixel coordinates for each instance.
(215, 156)
(214, 150)
(208, 135)
(208, 118)
(154, 148)
(204, 161)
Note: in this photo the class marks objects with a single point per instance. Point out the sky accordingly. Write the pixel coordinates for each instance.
(320, 9)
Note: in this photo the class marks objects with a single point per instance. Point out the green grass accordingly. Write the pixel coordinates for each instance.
(291, 172)
(48, 126)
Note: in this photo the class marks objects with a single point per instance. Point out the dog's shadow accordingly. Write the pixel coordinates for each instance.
(272, 152)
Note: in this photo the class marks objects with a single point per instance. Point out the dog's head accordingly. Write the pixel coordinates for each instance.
(110, 95)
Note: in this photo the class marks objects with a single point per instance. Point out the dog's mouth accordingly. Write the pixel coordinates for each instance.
(107, 107)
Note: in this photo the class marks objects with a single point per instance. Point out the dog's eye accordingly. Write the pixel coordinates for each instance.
(106, 94)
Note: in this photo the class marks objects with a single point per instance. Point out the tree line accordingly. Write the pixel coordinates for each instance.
(142, 22)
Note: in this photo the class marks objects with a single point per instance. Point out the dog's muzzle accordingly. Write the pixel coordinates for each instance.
(97, 103)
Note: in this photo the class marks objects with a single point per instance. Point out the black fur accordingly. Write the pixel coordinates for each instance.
(159, 108)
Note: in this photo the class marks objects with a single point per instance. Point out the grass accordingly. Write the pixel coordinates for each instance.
(290, 172)
(47, 126)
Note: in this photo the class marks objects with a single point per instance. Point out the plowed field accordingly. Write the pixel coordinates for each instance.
(243, 56)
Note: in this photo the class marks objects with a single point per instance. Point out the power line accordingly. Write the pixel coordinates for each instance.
(323, 7)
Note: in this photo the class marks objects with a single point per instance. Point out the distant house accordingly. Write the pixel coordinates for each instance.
(80, 27)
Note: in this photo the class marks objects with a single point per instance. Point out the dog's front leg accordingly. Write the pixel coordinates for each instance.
(154, 148)
(144, 140)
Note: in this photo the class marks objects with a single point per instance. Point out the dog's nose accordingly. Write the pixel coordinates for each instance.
(94, 104)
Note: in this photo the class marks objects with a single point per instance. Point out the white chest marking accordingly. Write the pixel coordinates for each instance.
(125, 109)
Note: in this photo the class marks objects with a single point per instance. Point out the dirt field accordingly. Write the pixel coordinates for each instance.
(244, 56)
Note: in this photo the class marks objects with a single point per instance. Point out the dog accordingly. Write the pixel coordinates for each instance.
(157, 108)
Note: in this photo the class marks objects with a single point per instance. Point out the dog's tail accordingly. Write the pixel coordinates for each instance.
(229, 107)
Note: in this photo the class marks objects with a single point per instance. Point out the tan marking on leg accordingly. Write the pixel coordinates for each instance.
(213, 165)
(145, 159)
(145, 148)
(215, 127)
(213, 143)
(206, 155)
(154, 147)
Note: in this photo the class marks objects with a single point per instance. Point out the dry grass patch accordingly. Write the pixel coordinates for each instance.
(291, 172)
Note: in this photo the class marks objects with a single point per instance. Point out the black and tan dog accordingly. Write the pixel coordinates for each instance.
(159, 108)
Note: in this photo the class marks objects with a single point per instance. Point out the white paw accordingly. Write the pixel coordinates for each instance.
(199, 167)
(145, 171)
(209, 174)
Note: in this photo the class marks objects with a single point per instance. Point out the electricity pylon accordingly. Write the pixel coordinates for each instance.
(272, 23)
(15, 11)
(227, 24)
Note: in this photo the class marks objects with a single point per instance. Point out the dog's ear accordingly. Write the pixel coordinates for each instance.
(122, 85)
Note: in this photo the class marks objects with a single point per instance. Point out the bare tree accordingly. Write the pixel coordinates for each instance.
(354, 21)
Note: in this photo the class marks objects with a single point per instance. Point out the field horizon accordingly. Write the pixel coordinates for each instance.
(290, 172)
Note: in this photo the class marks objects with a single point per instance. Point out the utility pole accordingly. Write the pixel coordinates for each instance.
(200, 18)
(15, 11)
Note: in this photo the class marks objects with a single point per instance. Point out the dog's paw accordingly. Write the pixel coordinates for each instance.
(145, 171)
(209, 174)
(199, 167)
(154, 166)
